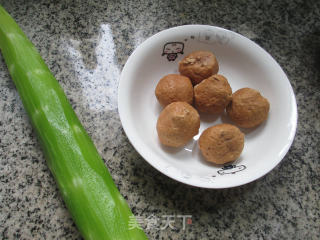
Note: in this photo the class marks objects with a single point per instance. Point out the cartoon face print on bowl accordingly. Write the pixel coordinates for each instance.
(171, 49)
(231, 169)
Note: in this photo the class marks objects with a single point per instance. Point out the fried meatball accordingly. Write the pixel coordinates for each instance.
(177, 124)
(213, 94)
(174, 88)
(248, 108)
(199, 65)
(221, 143)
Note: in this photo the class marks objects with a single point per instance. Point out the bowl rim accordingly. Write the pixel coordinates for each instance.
(139, 148)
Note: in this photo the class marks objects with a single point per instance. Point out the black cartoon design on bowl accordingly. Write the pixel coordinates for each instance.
(231, 169)
(171, 49)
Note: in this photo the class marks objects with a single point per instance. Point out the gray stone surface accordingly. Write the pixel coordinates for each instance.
(86, 44)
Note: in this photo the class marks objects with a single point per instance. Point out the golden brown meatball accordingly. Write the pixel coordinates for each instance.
(174, 88)
(177, 124)
(248, 108)
(213, 94)
(221, 143)
(199, 65)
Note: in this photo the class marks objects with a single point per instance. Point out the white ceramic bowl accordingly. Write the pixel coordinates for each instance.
(245, 64)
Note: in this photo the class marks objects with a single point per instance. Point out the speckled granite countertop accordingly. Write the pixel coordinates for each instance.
(86, 44)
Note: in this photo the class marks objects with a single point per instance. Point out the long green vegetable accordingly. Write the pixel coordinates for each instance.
(94, 201)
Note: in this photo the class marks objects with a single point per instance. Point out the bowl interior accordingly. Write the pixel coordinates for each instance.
(244, 64)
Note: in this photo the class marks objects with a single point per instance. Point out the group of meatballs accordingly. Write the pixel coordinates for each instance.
(199, 87)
